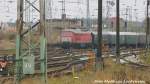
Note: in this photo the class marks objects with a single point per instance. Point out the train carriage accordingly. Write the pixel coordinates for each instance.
(83, 39)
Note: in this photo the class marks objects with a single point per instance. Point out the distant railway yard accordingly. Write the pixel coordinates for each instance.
(74, 42)
(76, 57)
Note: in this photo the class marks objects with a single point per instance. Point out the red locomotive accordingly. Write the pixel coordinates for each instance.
(76, 39)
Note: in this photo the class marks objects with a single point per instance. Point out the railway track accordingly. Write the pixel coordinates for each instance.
(60, 60)
(8, 52)
(4, 79)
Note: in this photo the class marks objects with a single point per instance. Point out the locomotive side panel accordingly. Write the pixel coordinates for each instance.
(83, 38)
(67, 36)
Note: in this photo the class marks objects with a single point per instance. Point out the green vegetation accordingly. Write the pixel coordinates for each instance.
(112, 71)
(145, 59)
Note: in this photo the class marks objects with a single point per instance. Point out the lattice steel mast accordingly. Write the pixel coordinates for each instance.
(25, 51)
(18, 40)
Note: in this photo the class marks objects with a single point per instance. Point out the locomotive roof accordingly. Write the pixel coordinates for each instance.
(76, 31)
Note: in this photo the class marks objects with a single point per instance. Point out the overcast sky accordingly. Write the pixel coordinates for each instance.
(8, 9)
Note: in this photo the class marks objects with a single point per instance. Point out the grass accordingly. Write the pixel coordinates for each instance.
(111, 71)
(145, 59)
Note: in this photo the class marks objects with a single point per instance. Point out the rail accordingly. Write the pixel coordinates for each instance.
(60, 60)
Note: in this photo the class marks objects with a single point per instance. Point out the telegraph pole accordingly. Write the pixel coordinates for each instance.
(126, 24)
(63, 2)
(136, 18)
(109, 6)
(117, 31)
(147, 27)
(99, 59)
(64, 16)
(88, 21)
